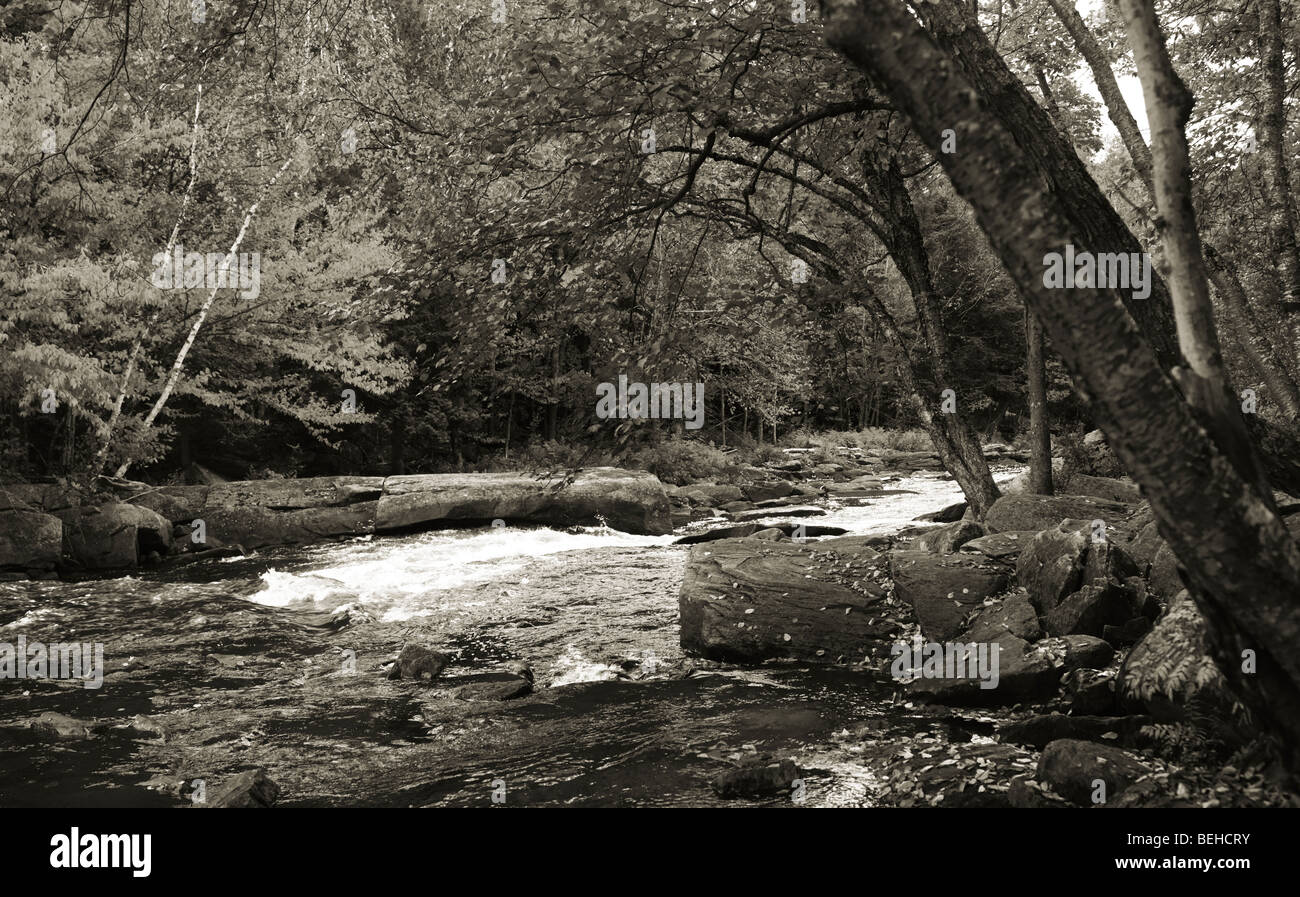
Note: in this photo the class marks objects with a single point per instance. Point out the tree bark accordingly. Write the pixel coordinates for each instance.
(1169, 107)
(1239, 559)
(1281, 221)
(1040, 435)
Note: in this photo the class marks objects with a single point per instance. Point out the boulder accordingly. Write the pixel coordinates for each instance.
(1089, 610)
(1109, 488)
(948, 538)
(1038, 512)
(1073, 769)
(1040, 730)
(30, 540)
(113, 535)
(946, 515)
(247, 790)
(1012, 615)
(744, 530)
(764, 513)
(629, 500)
(757, 492)
(1051, 566)
(748, 600)
(943, 589)
(1096, 456)
(1163, 577)
(1000, 546)
(1024, 672)
(760, 777)
(1091, 692)
(712, 495)
(420, 664)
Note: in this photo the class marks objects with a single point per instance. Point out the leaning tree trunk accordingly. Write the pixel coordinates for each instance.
(1238, 556)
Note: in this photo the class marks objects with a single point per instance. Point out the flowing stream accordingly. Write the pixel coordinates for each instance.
(619, 715)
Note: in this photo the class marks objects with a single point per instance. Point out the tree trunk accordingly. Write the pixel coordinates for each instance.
(1238, 557)
(1281, 221)
(1040, 435)
(1169, 106)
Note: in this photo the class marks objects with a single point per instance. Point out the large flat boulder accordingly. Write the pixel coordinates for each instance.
(1025, 672)
(943, 589)
(628, 500)
(30, 540)
(1038, 512)
(113, 535)
(747, 600)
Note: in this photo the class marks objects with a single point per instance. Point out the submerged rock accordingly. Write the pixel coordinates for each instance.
(760, 777)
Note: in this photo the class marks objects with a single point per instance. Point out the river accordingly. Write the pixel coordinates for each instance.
(229, 657)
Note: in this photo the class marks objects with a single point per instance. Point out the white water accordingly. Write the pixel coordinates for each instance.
(404, 577)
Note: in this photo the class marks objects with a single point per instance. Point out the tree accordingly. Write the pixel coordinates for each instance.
(1241, 564)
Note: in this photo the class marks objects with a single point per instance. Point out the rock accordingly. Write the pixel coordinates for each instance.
(1019, 484)
(1039, 731)
(31, 540)
(1000, 546)
(1051, 566)
(757, 492)
(628, 500)
(946, 515)
(744, 530)
(761, 777)
(1097, 458)
(1072, 768)
(51, 726)
(1014, 614)
(1091, 692)
(771, 534)
(1128, 634)
(1107, 560)
(247, 790)
(1109, 488)
(863, 485)
(948, 538)
(113, 535)
(732, 507)
(943, 589)
(1163, 577)
(495, 689)
(763, 513)
(712, 495)
(419, 663)
(1039, 512)
(747, 600)
(1024, 672)
(1089, 610)
(1026, 794)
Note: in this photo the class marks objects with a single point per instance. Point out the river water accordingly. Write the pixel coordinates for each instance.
(619, 716)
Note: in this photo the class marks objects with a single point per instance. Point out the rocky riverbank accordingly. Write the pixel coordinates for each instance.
(44, 528)
(1102, 674)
